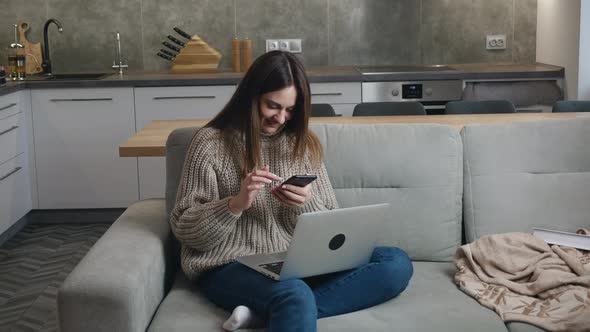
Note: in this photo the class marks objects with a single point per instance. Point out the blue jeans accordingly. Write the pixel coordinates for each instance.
(296, 304)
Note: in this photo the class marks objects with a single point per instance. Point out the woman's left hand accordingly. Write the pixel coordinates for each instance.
(291, 195)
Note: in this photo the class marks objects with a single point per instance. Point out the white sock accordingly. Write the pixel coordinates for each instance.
(241, 317)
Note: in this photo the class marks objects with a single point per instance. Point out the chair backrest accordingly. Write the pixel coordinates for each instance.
(389, 108)
(571, 106)
(322, 110)
(480, 107)
(392, 163)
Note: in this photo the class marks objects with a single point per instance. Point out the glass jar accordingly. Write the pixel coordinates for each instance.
(16, 62)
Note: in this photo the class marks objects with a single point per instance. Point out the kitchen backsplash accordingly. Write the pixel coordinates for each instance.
(333, 32)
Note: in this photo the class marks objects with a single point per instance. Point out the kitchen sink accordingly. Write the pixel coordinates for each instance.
(68, 77)
(83, 76)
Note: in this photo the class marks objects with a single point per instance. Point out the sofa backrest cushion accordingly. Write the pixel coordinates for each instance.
(176, 146)
(415, 168)
(526, 174)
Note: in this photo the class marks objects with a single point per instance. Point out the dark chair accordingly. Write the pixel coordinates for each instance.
(389, 108)
(571, 106)
(322, 110)
(480, 107)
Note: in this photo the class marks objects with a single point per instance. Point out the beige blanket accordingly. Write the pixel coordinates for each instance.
(524, 279)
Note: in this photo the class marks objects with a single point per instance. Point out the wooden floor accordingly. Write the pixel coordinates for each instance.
(33, 265)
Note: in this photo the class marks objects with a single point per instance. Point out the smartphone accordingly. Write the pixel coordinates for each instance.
(300, 180)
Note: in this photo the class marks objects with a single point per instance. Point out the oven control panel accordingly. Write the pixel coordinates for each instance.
(411, 91)
(430, 91)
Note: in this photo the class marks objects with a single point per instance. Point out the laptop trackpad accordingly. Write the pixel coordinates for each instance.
(273, 267)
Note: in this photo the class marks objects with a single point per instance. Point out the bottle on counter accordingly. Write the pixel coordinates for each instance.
(235, 55)
(16, 58)
(246, 54)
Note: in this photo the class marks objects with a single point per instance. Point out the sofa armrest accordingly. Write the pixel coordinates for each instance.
(119, 284)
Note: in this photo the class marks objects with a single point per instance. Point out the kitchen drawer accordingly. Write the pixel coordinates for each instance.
(15, 195)
(177, 103)
(11, 138)
(336, 93)
(9, 105)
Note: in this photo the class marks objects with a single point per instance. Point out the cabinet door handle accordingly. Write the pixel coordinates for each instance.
(184, 97)
(82, 99)
(8, 130)
(10, 173)
(7, 106)
(327, 94)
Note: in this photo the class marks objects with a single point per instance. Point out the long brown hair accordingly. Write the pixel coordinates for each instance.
(270, 72)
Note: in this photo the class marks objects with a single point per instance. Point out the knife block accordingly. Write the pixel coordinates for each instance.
(196, 57)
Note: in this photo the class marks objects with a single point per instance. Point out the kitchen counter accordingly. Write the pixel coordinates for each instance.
(11, 87)
(315, 74)
(500, 71)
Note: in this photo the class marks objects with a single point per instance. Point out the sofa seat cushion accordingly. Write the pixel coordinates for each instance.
(431, 302)
(523, 327)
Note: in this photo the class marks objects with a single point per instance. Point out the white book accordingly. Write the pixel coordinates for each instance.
(567, 239)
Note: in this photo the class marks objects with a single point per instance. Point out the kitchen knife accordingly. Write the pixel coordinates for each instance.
(170, 46)
(167, 52)
(182, 33)
(164, 56)
(176, 41)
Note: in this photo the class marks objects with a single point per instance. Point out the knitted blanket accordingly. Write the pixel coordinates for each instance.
(522, 278)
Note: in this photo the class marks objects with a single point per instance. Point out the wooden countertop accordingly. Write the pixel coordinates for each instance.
(151, 140)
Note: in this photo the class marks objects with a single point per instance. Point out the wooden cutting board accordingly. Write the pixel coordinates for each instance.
(33, 50)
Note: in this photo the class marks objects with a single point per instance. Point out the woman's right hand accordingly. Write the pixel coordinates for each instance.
(250, 187)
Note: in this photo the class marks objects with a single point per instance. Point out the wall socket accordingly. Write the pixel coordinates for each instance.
(289, 45)
(495, 42)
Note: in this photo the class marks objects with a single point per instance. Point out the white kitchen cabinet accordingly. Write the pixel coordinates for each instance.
(25, 106)
(172, 103)
(12, 141)
(9, 105)
(17, 192)
(77, 134)
(343, 96)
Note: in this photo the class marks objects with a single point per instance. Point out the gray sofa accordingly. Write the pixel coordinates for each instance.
(501, 178)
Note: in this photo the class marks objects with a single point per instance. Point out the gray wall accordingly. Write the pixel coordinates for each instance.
(334, 32)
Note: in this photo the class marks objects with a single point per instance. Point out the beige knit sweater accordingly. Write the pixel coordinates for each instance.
(210, 234)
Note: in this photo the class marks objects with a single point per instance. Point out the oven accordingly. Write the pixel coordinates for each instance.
(433, 94)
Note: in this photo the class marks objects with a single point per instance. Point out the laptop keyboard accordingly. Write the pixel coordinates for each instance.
(273, 267)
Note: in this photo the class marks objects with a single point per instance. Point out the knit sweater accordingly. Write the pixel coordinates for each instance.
(209, 233)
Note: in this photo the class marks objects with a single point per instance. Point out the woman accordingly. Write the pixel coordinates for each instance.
(228, 205)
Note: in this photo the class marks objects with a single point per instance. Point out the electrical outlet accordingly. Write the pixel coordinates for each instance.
(288, 45)
(495, 42)
(272, 44)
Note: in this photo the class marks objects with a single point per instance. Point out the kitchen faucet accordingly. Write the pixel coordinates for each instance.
(119, 59)
(46, 60)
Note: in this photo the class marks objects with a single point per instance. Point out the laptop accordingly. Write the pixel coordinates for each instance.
(324, 242)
